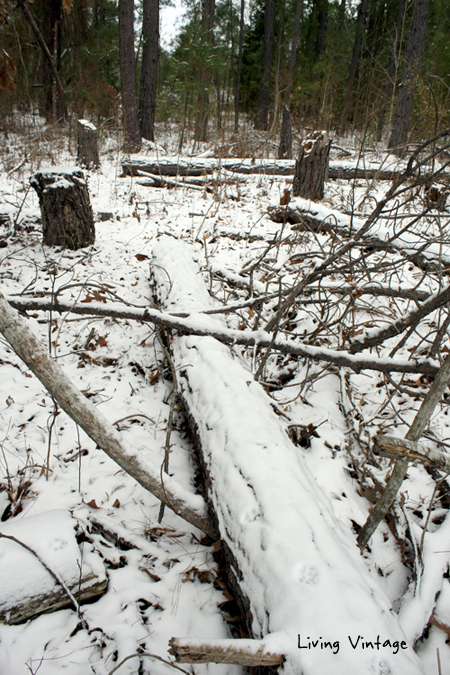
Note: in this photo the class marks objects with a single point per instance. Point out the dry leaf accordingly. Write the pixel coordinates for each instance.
(141, 256)
(67, 6)
(116, 504)
(92, 504)
(9, 401)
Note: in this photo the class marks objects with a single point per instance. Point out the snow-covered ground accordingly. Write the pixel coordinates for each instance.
(163, 580)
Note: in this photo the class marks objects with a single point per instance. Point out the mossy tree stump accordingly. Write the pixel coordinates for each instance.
(311, 167)
(67, 218)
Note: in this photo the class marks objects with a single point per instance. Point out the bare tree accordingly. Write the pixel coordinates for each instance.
(201, 126)
(262, 111)
(149, 71)
(132, 134)
(405, 101)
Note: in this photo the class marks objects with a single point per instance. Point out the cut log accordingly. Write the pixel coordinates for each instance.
(87, 145)
(397, 448)
(311, 167)
(248, 653)
(67, 218)
(27, 589)
(292, 566)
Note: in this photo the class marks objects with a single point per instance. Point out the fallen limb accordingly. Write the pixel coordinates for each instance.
(250, 653)
(398, 474)
(83, 412)
(194, 325)
(396, 448)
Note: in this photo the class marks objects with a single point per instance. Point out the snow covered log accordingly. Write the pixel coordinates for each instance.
(293, 567)
(27, 588)
(67, 218)
(248, 653)
(186, 504)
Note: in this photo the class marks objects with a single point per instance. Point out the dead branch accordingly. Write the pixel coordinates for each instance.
(396, 448)
(244, 652)
(84, 413)
(397, 476)
(260, 338)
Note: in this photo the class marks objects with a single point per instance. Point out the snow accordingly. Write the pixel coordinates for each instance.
(163, 580)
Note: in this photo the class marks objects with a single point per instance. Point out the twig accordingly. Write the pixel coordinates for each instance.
(152, 656)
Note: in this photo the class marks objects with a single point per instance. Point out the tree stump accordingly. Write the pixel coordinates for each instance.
(87, 148)
(311, 167)
(67, 218)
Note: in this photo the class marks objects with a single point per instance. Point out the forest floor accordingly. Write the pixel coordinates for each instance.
(163, 581)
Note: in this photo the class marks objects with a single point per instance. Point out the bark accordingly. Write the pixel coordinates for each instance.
(285, 146)
(237, 95)
(322, 20)
(149, 69)
(396, 448)
(67, 218)
(87, 145)
(132, 134)
(263, 103)
(86, 589)
(84, 413)
(311, 167)
(360, 20)
(250, 653)
(398, 474)
(405, 102)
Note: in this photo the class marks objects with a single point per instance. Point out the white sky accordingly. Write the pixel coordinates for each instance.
(170, 21)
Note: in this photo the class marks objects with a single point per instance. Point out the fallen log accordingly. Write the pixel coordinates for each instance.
(42, 569)
(199, 166)
(250, 653)
(401, 448)
(83, 412)
(293, 568)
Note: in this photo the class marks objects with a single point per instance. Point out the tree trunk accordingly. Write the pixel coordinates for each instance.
(311, 167)
(360, 20)
(405, 102)
(67, 218)
(237, 95)
(389, 82)
(132, 134)
(87, 145)
(201, 124)
(285, 147)
(322, 20)
(262, 110)
(149, 71)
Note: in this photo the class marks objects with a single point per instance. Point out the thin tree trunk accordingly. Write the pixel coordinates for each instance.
(149, 71)
(391, 67)
(201, 125)
(84, 413)
(237, 95)
(360, 20)
(322, 20)
(262, 110)
(405, 100)
(285, 147)
(48, 59)
(132, 134)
